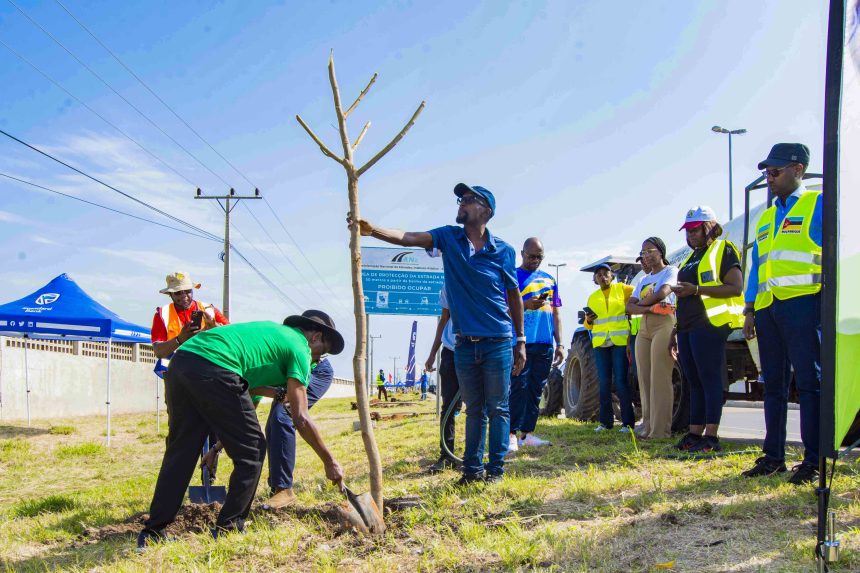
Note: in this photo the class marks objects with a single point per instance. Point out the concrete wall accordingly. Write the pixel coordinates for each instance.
(69, 378)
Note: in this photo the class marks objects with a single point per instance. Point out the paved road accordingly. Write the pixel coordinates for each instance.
(748, 423)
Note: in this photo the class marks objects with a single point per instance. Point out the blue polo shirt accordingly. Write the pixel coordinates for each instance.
(477, 284)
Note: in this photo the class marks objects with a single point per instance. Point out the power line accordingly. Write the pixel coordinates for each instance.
(93, 203)
(119, 95)
(94, 112)
(207, 143)
(112, 188)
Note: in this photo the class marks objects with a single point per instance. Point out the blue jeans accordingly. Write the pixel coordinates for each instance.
(612, 366)
(281, 435)
(789, 336)
(484, 372)
(527, 387)
(702, 356)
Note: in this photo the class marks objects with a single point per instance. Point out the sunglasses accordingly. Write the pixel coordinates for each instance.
(468, 199)
(647, 251)
(774, 173)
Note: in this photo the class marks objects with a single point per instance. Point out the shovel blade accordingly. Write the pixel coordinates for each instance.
(367, 509)
(199, 494)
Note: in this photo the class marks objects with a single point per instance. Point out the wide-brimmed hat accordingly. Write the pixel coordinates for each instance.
(318, 320)
(177, 282)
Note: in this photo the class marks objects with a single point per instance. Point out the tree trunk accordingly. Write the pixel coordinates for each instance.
(360, 357)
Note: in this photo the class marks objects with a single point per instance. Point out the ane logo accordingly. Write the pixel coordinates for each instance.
(407, 257)
(47, 298)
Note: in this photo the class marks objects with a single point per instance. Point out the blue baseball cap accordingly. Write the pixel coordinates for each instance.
(461, 188)
(783, 154)
(602, 266)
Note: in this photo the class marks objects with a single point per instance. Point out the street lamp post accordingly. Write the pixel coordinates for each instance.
(718, 129)
(556, 269)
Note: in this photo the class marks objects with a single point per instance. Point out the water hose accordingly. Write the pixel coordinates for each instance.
(448, 413)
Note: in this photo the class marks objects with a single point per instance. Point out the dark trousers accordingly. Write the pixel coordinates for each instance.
(281, 436)
(380, 392)
(212, 437)
(200, 396)
(449, 388)
(789, 336)
(702, 356)
(612, 365)
(527, 388)
(484, 372)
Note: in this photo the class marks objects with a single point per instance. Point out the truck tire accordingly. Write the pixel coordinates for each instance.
(581, 388)
(680, 401)
(553, 394)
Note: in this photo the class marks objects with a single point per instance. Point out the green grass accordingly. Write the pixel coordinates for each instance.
(62, 430)
(588, 503)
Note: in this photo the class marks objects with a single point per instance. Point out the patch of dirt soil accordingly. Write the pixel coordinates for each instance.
(192, 518)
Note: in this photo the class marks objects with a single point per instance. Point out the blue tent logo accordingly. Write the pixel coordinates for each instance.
(47, 298)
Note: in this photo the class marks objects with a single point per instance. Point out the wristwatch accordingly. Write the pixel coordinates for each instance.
(521, 339)
(749, 310)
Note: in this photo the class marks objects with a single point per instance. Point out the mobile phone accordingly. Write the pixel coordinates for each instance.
(544, 296)
(197, 318)
(588, 310)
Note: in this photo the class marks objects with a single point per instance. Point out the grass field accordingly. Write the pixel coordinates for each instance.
(590, 502)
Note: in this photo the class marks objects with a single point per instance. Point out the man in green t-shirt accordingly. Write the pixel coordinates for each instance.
(208, 384)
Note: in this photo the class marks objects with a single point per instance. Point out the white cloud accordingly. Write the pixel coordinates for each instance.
(7, 217)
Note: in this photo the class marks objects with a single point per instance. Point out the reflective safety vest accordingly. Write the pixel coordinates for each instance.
(611, 319)
(635, 324)
(789, 261)
(173, 326)
(380, 380)
(720, 311)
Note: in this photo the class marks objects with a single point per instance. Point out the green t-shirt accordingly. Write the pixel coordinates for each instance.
(263, 353)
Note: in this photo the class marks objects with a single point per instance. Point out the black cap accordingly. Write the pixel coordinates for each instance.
(318, 320)
(661, 246)
(783, 154)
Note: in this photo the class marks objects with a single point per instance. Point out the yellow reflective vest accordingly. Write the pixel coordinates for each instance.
(720, 311)
(789, 261)
(611, 319)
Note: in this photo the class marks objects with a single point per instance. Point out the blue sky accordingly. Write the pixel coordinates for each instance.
(590, 121)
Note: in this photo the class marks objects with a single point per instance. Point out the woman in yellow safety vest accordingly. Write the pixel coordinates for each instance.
(709, 307)
(607, 319)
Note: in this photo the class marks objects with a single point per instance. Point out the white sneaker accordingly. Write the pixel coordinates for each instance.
(601, 428)
(624, 430)
(532, 440)
(513, 446)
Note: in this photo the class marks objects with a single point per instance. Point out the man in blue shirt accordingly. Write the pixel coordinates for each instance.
(787, 316)
(484, 299)
(542, 327)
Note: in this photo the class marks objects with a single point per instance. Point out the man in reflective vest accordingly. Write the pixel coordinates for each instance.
(172, 324)
(783, 308)
(610, 329)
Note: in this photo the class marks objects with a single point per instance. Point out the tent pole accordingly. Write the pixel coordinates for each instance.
(157, 406)
(107, 402)
(27, 379)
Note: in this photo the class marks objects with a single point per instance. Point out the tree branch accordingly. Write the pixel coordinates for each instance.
(392, 143)
(323, 148)
(341, 118)
(360, 136)
(361, 95)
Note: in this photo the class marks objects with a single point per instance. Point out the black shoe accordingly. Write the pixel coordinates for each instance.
(803, 474)
(706, 444)
(468, 479)
(494, 478)
(688, 441)
(442, 464)
(765, 466)
(221, 531)
(149, 537)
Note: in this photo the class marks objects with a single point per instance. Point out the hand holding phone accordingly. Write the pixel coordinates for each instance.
(197, 319)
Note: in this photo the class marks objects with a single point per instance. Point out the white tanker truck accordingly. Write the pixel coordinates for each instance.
(574, 387)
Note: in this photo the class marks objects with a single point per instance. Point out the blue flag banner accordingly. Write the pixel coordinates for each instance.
(410, 363)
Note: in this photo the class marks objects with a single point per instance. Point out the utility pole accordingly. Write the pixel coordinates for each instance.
(226, 207)
(394, 372)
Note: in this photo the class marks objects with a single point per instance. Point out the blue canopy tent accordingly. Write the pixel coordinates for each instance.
(61, 310)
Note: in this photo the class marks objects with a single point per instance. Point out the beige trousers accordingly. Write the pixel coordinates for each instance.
(654, 368)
